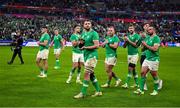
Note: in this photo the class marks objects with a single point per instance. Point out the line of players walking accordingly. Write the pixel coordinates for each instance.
(84, 53)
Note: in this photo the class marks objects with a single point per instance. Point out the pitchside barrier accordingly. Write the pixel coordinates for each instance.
(34, 43)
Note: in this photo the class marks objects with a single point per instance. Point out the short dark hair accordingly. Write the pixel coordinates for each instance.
(111, 26)
(131, 25)
(45, 27)
(56, 29)
(87, 20)
(77, 25)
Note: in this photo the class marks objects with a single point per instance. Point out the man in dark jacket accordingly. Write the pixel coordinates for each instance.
(17, 48)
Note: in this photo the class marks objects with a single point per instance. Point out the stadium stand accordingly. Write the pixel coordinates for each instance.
(28, 16)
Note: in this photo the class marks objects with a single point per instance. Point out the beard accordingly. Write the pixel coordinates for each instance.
(150, 34)
(131, 32)
(87, 29)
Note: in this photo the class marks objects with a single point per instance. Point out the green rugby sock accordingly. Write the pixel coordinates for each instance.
(57, 63)
(109, 82)
(45, 72)
(84, 87)
(142, 82)
(95, 84)
(41, 69)
(156, 83)
(135, 77)
(129, 76)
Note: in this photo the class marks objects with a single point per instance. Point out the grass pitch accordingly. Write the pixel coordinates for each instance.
(20, 86)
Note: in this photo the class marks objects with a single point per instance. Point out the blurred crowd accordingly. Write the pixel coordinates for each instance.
(64, 14)
(30, 27)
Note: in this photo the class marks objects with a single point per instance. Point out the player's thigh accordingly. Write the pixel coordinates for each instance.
(38, 60)
(80, 64)
(38, 57)
(108, 67)
(145, 68)
(75, 64)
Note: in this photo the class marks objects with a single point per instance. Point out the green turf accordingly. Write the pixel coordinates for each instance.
(20, 87)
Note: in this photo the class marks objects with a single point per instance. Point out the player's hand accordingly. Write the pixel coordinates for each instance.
(51, 44)
(144, 43)
(82, 48)
(38, 42)
(142, 34)
(126, 38)
(102, 45)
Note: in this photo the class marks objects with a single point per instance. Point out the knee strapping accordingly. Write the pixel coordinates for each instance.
(89, 69)
(132, 65)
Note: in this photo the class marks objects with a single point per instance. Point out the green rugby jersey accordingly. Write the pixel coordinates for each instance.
(44, 36)
(153, 55)
(131, 49)
(111, 52)
(89, 37)
(75, 37)
(57, 41)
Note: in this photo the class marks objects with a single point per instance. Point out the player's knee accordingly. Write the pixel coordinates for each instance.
(110, 73)
(79, 65)
(132, 65)
(143, 73)
(37, 61)
(45, 62)
(107, 70)
(75, 65)
(154, 74)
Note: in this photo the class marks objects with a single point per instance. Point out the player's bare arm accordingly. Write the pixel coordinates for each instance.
(115, 45)
(152, 48)
(95, 46)
(43, 43)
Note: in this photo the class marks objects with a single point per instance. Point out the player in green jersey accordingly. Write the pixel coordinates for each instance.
(77, 54)
(151, 63)
(43, 52)
(91, 43)
(58, 46)
(111, 44)
(144, 36)
(131, 41)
